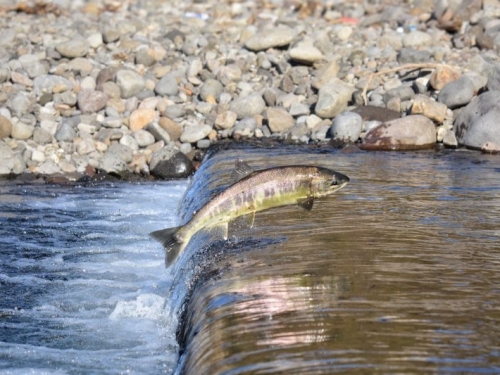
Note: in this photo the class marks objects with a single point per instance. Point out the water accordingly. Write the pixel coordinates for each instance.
(396, 273)
(83, 288)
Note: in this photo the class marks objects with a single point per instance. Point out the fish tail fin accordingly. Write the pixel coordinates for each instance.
(172, 243)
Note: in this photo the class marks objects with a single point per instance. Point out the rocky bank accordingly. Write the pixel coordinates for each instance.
(139, 87)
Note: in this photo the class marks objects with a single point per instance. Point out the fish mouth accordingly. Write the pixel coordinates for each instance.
(339, 180)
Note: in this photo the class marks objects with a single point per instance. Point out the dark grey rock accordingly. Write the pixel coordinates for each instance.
(177, 166)
(409, 55)
(457, 93)
(477, 123)
(403, 92)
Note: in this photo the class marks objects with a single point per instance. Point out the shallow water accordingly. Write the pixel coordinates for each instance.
(396, 273)
(83, 288)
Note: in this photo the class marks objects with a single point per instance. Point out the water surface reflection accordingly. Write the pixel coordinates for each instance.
(396, 273)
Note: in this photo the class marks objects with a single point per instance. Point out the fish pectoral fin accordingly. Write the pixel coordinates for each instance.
(172, 244)
(241, 170)
(221, 229)
(306, 203)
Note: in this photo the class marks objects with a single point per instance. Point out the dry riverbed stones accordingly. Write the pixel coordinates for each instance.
(141, 87)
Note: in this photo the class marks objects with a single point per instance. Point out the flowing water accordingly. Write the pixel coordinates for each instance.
(396, 273)
(82, 287)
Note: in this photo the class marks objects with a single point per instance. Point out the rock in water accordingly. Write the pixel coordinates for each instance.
(178, 166)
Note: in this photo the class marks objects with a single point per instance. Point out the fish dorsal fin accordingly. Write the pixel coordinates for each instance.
(241, 170)
(306, 203)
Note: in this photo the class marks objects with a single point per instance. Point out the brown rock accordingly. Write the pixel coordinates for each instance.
(5, 127)
(173, 129)
(443, 75)
(373, 113)
(407, 133)
(429, 108)
(140, 118)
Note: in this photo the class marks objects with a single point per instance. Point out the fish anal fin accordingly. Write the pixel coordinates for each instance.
(171, 242)
(306, 203)
(220, 229)
(251, 219)
(241, 170)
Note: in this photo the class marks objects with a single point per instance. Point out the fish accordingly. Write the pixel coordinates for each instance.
(252, 191)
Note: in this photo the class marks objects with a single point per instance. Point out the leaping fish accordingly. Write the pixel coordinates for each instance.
(253, 191)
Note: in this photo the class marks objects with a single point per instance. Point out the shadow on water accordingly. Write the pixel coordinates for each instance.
(398, 272)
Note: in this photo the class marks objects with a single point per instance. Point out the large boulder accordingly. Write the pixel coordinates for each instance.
(412, 132)
(478, 122)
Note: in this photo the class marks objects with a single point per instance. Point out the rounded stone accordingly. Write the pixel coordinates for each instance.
(457, 93)
(73, 48)
(248, 106)
(129, 82)
(167, 85)
(144, 138)
(265, 39)
(140, 118)
(66, 133)
(90, 101)
(305, 54)
(211, 88)
(5, 127)
(22, 131)
(279, 120)
(176, 167)
(194, 133)
(333, 98)
(346, 127)
(225, 120)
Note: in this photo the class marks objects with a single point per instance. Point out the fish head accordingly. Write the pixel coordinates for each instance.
(327, 181)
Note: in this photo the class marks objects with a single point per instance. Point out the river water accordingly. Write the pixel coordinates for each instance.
(396, 273)
(83, 288)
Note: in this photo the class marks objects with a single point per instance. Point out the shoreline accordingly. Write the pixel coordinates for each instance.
(142, 90)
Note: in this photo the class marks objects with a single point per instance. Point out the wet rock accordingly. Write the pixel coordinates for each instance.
(277, 37)
(478, 122)
(346, 127)
(424, 105)
(333, 98)
(279, 120)
(248, 106)
(90, 101)
(457, 93)
(194, 133)
(407, 133)
(5, 127)
(176, 167)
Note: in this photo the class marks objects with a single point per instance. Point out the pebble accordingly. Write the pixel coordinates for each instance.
(90, 101)
(279, 120)
(194, 133)
(5, 127)
(73, 48)
(432, 109)
(305, 54)
(457, 93)
(278, 37)
(333, 98)
(176, 167)
(211, 90)
(167, 85)
(129, 82)
(22, 131)
(346, 127)
(225, 120)
(248, 106)
(140, 118)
